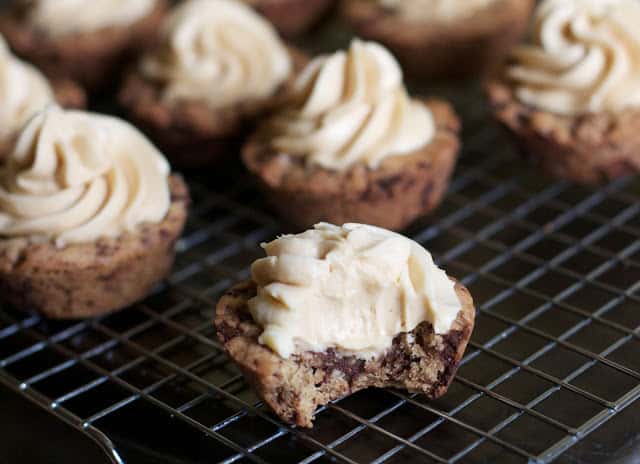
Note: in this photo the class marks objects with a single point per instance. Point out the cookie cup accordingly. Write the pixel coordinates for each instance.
(189, 132)
(93, 59)
(419, 361)
(392, 196)
(293, 18)
(453, 49)
(89, 279)
(589, 148)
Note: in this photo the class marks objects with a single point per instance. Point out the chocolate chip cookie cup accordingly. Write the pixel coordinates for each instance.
(570, 111)
(292, 18)
(442, 38)
(86, 44)
(338, 309)
(351, 145)
(89, 215)
(195, 101)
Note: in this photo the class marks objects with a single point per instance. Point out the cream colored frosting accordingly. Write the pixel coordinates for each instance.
(60, 17)
(351, 107)
(353, 288)
(582, 56)
(218, 51)
(23, 91)
(435, 10)
(75, 176)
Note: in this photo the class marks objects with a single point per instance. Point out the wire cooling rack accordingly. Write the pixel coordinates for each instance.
(554, 270)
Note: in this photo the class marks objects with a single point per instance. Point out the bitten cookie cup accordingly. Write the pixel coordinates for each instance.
(400, 190)
(293, 18)
(93, 59)
(590, 148)
(455, 48)
(191, 133)
(93, 278)
(419, 361)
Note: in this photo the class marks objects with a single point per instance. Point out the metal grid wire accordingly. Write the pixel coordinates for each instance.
(554, 270)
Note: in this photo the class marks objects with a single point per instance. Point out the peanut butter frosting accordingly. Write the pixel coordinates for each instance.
(435, 10)
(352, 288)
(23, 91)
(351, 107)
(220, 52)
(60, 17)
(76, 176)
(582, 56)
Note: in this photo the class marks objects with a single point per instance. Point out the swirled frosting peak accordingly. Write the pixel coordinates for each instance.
(23, 91)
(60, 17)
(75, 176)
(583, 56)
(351, 107)
(353, 288)
(435, 10)
(220, 52)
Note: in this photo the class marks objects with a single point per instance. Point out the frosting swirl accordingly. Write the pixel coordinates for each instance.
(60, 17)
(75, 176)
(219, 51)
(435, 10)
(353, 288)
(23, 91)
(583, 56)
(351, 107)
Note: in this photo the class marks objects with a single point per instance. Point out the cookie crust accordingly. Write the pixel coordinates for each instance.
(190, 133)
(457, 49)
(392, 196)
(90, 58)
(418, 361)
(90, 279)
(293, 18)
(590, 148)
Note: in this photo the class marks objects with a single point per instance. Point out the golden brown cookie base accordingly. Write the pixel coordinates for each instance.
(190, 133)
(92, 59)
(392, 196)
(293, 17)
(463, 48)
(589, 148)
(420, 361)
(89, 279)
